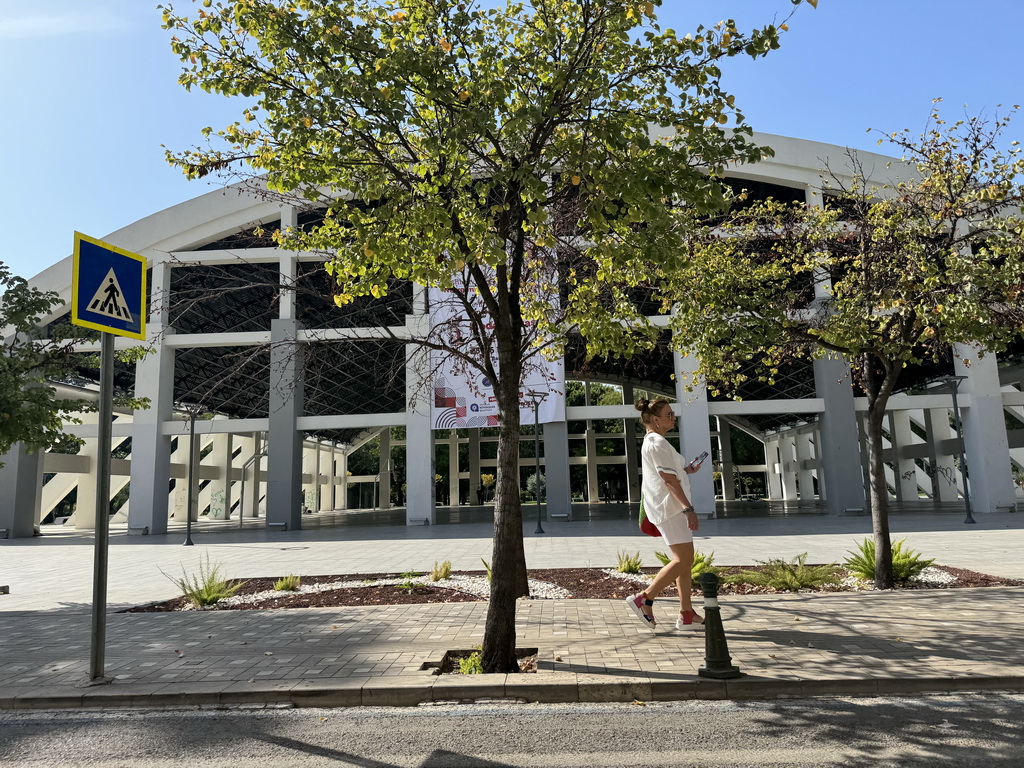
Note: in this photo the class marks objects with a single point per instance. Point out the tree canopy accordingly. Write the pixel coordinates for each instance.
(529, 158)
(31, 412)
(887, 275)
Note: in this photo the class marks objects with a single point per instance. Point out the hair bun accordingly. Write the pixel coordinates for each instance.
(642, 404)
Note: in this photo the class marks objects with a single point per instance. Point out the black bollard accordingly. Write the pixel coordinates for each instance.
(718, 664)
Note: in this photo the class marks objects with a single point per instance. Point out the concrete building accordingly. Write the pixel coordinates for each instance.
(297, 387)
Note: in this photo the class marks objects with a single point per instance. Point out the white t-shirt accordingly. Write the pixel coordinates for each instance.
(658, 455)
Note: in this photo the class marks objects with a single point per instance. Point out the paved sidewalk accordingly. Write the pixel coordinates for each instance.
(589, 650)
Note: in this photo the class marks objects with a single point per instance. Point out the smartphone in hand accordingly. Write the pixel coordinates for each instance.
(699, 459)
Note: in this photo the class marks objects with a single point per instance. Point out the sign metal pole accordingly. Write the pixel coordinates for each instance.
(99, 580)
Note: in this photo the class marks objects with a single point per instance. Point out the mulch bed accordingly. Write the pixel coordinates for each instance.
(582, 583)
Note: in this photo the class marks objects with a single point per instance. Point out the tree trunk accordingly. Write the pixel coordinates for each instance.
(508, 565)
(878, 398)
(879, 496)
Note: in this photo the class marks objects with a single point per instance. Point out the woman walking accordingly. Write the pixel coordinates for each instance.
(666, 495)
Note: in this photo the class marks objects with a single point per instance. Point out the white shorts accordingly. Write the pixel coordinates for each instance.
(675, 530)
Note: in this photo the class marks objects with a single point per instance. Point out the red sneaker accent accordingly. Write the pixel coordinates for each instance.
(637, 603)
(689, 620)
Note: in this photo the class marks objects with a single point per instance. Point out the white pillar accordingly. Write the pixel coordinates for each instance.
(220, 487)
(151, 450)
(840, 477)
(284, 441)
(773, 468)
(341, 478)
(632, 454)
(984, 426)
(694, 432)
(556, 470)
(474, 465)
(787, 464)
(419, 437)
(946, 481)
(453, 468)
(21, 478)
(805, 463)
(906, 468)
(727, 464)
(384, 469)
(325, 467)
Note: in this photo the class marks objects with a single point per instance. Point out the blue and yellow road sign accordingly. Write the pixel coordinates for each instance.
(108, 288)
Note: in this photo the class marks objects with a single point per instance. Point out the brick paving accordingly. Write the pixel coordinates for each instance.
(589, 650)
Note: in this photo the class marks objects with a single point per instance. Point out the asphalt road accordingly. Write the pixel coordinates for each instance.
(977, 730)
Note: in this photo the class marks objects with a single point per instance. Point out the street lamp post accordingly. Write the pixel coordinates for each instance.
(538, 398)
(954, 385)
(193, 455)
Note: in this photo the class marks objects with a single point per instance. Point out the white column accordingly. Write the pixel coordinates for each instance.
(694, 432)
(341, 478)
(556, 470)
(253, 475)
(787, 462)
(284, 441)
(453, 468)
(474, 465)
(593, 490)
(419, 438)
(805, 463)
(220, 487)
(906, 468)
(840, 477)
(151, 450)
(384, 469)
(727, 464)
(946, 480)
(21, 478)
(773, 468)
(632, 454)
(327, 478)
(309, 470)
(984, 426)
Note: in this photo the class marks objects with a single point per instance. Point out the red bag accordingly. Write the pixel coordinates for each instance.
(646, 526)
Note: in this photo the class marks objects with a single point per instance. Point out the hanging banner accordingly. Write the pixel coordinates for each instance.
(461, 396)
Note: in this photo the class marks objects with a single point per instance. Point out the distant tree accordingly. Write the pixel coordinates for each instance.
(31, 412)
(503, 154)
(886, 276)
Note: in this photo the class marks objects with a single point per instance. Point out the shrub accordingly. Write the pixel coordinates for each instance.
(629, 563)
(487, 567)
(701, 563)
(408, 585)
(206, 588)
(289, 583)
(410, 575)
(789, 575)
(906, 564)
(442, 571)
(471, 665)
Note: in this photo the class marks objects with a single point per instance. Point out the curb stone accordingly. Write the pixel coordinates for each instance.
(560, 688)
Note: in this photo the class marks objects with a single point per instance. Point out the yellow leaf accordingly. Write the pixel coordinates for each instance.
(784, 27)
(399, 16)
(308, 122)
(464, 95)
(446, 45)
(575, 181)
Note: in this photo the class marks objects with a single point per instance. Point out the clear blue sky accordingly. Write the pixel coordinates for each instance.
(90, 95)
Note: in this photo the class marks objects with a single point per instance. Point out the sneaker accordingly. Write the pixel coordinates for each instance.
(688, 620)
(637, 603)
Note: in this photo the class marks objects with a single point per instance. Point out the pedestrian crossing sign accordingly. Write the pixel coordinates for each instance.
(108, 288)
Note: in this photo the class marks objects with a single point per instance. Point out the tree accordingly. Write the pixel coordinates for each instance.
(886, 276)
(31, 412)
(503, 155)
